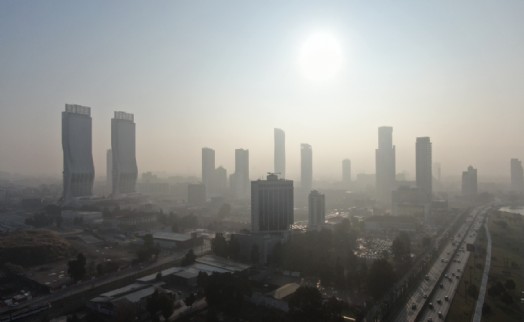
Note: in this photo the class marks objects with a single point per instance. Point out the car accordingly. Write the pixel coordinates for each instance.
(430, 305)
(439, 301)
(446, 298)
(414, 307)
(425, 296)
(440, 314)
(441, 285)
(446, 276)
(426, 277)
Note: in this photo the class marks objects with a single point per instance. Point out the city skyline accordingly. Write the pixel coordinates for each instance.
(414, 67)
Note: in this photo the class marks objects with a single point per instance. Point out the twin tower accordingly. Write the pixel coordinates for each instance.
(79, 171)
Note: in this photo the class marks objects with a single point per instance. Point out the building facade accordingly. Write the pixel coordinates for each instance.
(271, 204)
(240, 179)
(423, 163)
(306, 167)
(280, 153)
(123, 147)
(317, 209)
(79, 171)
(385, 165)
(469, 182)
(208, 167)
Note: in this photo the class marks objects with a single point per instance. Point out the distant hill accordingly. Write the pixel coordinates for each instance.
(33, 247)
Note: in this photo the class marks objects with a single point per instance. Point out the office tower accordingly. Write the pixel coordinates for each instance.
(346, 172)
(306, 167)
(423, 166)
(208, 167)
(469, 182)
(438, 171)
(317, 209)
(280, 153)
(196, 194)
(219, 181)
(79, 171)
(385, 165)
(517, 177)
(109, 170)
(123, 147)
(271, 204)
(240, 179)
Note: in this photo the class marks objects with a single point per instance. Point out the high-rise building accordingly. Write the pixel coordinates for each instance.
(317, 209)
(79, 171)
(109, 170)
(208, 167)
(123, 147)
(346, 172)
(219, 181)
(280, 153)
(469, 182)
(271, 204)
(385, 165)
(306, 167)
(240, 179)
(423, 164)
(196, 194)
(517, 177)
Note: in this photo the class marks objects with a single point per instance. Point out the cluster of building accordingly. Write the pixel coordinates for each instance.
(79, 170)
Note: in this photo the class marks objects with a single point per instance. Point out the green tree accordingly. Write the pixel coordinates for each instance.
(305, 305)
(77, 267)
(219, 245)
(189, 258)
(380, 278)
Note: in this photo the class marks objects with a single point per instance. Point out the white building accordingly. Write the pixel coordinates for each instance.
(79, 171)
(124, 171)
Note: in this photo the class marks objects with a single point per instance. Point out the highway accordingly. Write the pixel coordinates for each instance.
(440, 284)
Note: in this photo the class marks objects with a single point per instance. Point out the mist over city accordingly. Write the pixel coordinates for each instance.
(261, 161)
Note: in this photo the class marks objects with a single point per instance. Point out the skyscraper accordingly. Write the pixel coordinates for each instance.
(385, 164)
(79, 171)
(317, 209)
(346, 172)
(123, 147)
(109, 170)
(280, 153)
(271, 204)
(208, 168)
(517, 177)
(423, 167)
(240, 179)
(469, 182)
(306, 167)
(219, 181)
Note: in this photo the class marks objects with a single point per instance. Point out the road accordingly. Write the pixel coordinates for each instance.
(482, 293)
(439, 301)
(449, 262)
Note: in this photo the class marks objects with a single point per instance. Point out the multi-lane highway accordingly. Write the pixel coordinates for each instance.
(431, 300)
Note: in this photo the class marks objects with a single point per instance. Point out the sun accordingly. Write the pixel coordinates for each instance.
(320, 57)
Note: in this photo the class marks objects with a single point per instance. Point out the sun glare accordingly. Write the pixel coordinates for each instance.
(320, 57)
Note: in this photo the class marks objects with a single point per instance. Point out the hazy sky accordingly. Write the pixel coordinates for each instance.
(223, 74)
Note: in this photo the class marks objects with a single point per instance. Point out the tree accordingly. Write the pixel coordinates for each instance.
(77, 267)
(219, 245)
(189, 258)
(160, 302)
(380, 278)
(401, 247)
(306, 305)
(510, 285)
